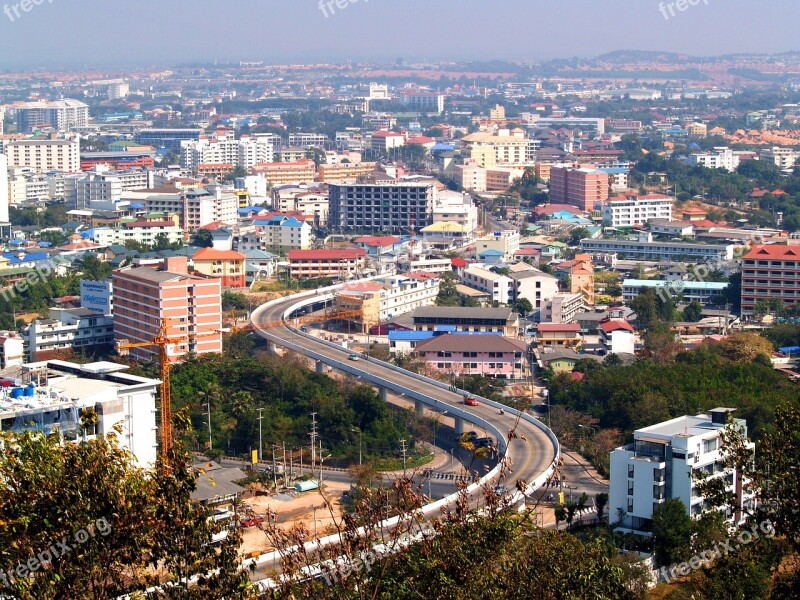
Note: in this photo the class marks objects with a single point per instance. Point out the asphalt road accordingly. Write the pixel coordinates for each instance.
(530, 452)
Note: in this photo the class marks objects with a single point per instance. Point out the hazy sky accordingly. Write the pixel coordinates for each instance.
(59, 33)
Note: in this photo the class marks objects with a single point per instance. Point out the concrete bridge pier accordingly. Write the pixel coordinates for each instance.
(459, 425)
(320, 367)
(384, 394)
(419, 407)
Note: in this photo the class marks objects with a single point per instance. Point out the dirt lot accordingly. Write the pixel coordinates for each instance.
(293, 509)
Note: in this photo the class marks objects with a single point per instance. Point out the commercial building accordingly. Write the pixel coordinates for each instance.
(61, 115)
(476, 320)
(133, 157)
(501, 149)
(427, 102)
(345, 172)
(384, 141)
(506, 242)
(309, 140)
(662, 464)
(582, 188)
(311, 264)
(226, 265)
(145, 231)
(387, 297)
(283, 173)
(43, 155)
(69, 329)
(489, 355)
(770, 272)
(169, 139)
(646, 249)
(583, 123)
(372, 208)
(56, 393)
(189, 305)
(705, 292)
(635, 210)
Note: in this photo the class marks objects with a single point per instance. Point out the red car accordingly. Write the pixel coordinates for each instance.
(251, 521)
(470, 401)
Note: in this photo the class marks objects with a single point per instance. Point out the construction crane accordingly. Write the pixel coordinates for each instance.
(163, 340)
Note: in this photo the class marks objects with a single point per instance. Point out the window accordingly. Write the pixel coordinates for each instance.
(710, 445)
(630, 470)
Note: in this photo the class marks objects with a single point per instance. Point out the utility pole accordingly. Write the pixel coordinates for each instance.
(260, 418)
(274, 470)
(403, 444)
(285, 481)
(313, 441)
(209, 424)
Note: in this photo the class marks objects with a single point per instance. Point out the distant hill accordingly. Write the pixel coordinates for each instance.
(630, 56)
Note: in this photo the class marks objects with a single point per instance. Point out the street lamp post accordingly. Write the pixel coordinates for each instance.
(358, 431)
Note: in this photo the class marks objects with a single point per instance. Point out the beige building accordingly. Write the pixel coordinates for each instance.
(45, 155)
(282, 173)
(345, 172)
(503, 148)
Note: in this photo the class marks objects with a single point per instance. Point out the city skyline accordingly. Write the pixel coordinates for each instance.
(97, 34)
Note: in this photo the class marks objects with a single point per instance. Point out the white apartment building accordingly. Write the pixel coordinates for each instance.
(660, 463)
(499, 287)
(403, 294)
(721, 158)
(470, 176)
(506, 242)
(453, 207)
(68, 329)
(304, 199)
(45, 155)
(116, 91)
(101, 188)
(561, 308)
(12, 350)
(428, 265)
(245, 152)
(784, 158)
(278, 234)
(492, 150)
(210, 205)
(61, 115)
(256, 186)
(637, 210)
(4, 190)
(56, 392)
(146, 232)
(534, 285)
(26, 186)
(308, 140)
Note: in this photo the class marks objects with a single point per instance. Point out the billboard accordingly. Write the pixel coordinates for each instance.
(97, 295)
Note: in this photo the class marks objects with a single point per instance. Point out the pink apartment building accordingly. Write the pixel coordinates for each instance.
(191, 305)
(475, 354)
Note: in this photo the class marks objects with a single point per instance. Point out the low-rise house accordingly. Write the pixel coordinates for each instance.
(490, 355)
(558, 334)
(617, 337)
(228, 266)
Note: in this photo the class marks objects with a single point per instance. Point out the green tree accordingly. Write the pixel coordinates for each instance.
(448, 294)
(203, 238)
(523, 306)
(672, 532)
(693, 312)
(600, 502)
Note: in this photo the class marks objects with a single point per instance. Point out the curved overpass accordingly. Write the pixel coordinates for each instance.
(532, 453)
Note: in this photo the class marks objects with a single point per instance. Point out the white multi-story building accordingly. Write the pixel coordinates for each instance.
(61, 115)
(661, 464)
(210, 205)
(56, 154)
(146, 232)
(4, 191)
(116, 91)
(562, 308)
(784, 158)
(12, 349)
(534, 285)
(256, 186)
(452, 207)
(56, 393)
(429, 102)
(101, 188)
(637, 210)
(245, 152)
(308, 140)
(304, 199)
(506, 242)
(499, 287)
(721, 158)
(277, 234)
(68, 329)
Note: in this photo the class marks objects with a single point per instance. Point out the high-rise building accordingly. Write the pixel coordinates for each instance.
(244, 152)
(661, 464)
(4, 202)
(371, 208)
(770, 272)
(61, 115)
(189, 305)
(583, 188)
(101, 188)
(43, 155)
